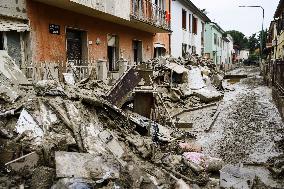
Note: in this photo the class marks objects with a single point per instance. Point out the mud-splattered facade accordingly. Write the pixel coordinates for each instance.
(14, 29)
(94, 29)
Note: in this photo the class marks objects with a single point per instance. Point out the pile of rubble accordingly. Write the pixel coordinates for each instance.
(90, 135)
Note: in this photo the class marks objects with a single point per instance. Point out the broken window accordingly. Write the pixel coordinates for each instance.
(112, 52)
(215, 39)
(159, 51)
(184, 49)
(194, 25)
(137, 51)
(183, 19)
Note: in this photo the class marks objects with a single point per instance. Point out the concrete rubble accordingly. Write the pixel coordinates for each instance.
(91, 135)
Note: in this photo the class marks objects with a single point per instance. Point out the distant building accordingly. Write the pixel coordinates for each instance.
(219, 45)
(244, 55)
(188, 28)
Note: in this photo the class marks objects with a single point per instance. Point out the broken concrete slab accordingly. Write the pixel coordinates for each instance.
(83, 165)
(49, 87)
(207, 95)
(9, 71)
(195, 79)
(27, 124)
(8, 94)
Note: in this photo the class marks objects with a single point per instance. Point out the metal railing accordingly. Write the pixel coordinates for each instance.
(53, 70)
(279, 75)
(146, 11)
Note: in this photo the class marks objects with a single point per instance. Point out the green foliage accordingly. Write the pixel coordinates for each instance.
(239, 39)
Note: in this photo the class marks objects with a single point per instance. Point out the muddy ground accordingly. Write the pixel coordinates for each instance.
(248, 127)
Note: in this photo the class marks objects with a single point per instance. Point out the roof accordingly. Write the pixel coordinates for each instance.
(279, 8)
(217, 26)
(196, 10)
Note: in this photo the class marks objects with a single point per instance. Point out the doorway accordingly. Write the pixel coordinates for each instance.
(76, 45)
(112, 52)
(137, 51)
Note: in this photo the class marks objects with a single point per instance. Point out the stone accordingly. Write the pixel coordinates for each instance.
(83, 165)
(207, 95)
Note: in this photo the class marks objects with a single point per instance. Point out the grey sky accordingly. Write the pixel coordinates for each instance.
(230, 17)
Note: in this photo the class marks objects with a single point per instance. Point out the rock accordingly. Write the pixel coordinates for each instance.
(214, 164)
(207, 95)
(83, 165)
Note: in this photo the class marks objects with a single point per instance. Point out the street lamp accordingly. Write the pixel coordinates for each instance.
(261, 36)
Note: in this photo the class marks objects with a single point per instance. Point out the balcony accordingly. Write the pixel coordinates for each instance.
(150, 15)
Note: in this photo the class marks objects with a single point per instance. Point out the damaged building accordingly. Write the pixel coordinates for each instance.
(14, 30)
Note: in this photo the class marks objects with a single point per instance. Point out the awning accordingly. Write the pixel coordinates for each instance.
(177, 68)
(7, 24)
(156, 45)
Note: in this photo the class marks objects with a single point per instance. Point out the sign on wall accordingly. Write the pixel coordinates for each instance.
(54, 29)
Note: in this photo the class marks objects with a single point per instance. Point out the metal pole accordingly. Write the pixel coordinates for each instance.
(261, 35)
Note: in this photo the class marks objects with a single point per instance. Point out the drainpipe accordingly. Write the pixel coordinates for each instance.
(170, 34)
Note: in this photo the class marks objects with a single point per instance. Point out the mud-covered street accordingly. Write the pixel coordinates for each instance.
(248, 128)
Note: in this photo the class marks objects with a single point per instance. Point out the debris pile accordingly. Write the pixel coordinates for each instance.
(56, 135)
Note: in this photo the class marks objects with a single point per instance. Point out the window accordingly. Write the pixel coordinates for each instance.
(183, 19)
(193, 50)
(160, 4)
(215, 39)
(184, 49)
(194, 25)
(189, 22)
(202, 34)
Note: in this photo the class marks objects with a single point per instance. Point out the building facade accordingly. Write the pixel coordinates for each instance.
(14, 29)
(188, 28)
(80, 30)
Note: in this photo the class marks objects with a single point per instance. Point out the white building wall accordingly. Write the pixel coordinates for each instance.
(244, 54)
(180, 35)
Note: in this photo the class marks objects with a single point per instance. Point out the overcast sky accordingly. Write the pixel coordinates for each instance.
(230, 17)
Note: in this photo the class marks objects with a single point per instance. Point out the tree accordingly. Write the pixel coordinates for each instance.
(253, 43)
(239, 39)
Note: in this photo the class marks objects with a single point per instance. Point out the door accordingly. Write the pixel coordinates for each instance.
(74, 45)
(112, 52)
(137, 51)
